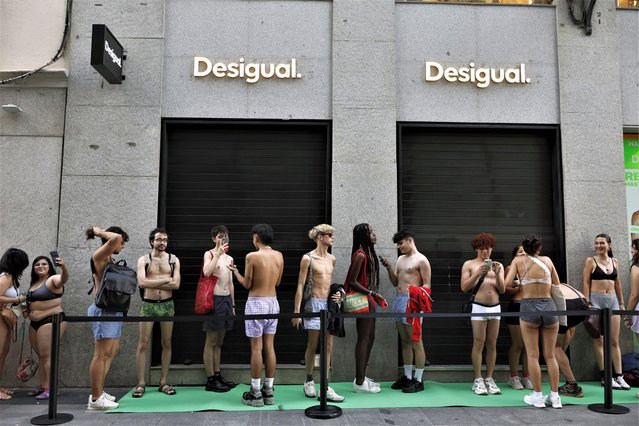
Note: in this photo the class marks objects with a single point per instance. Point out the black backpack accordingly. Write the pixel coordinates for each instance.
(118, 284)
(146, 269)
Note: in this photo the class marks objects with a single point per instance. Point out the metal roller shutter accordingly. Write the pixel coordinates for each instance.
(457, 182)
(238, 174)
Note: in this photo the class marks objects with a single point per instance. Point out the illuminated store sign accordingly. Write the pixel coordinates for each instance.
(481, 77)
(250, 72)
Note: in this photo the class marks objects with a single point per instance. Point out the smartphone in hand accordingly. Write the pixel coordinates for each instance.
(54, 255)
(488, 263)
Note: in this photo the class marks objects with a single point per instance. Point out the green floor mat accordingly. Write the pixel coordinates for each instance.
(291, 397)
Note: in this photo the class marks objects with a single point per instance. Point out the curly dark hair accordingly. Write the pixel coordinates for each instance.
(483, 240)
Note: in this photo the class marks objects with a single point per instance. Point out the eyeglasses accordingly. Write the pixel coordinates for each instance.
(161, 240)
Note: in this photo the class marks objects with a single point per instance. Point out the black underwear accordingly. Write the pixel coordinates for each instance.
(46, 320)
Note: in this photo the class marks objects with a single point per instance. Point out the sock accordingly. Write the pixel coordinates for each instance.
(514, 374)
(255, 384)
(418, 374)
(408, 371)
(309, 377)
(537, 394)
(554, 395)
(216, 374)
(525, 373)
(268, 382)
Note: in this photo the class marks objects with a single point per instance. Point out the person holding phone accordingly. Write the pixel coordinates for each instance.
(12, 264)
(482, 271)
(45, 300)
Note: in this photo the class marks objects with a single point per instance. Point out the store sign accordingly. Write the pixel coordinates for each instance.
(481, 77)
(249, 72)
(106, 54)
(631, 175)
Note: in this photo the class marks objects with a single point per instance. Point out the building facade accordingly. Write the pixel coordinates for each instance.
(451, 119)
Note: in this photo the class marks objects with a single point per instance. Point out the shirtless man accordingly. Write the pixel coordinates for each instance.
(216, 263)
(262, 274)
(106, 334)
(412, 268)
(485, 329)
(158, 277)
(319, 263)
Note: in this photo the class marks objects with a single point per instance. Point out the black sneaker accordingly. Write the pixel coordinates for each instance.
(401, 383)
(213, 384)
(228, 383)
(571, 389)
(413, 386)
(267, 395)
(252, 398)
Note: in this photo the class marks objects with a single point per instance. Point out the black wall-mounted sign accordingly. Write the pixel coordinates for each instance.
(107, 54)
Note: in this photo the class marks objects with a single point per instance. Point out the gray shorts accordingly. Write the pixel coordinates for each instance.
(261, 305)
(223, 306)
(316, 305)
(535, 305)
(399, 305)
(601, 301)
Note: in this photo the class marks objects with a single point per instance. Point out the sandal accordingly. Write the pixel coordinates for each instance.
(6, 391)
(5, 396)
(167, 389)
(139, 391)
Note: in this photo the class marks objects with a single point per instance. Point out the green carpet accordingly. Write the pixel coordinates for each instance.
(291, 397)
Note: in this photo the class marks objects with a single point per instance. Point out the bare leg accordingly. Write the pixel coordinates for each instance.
(43, 338)
(514, 353)
(563, 340)
(140, 354)
(270, 360)
(549, 340)
(492, 331)
(213, 351)
(405, 340)
(166, 330)
(311, 348)
(479, 337)
(615, 350)
(256, 357)
(364, 326)
(105, 351)
(530, 334)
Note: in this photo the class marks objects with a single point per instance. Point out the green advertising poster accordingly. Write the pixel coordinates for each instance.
(631, 162)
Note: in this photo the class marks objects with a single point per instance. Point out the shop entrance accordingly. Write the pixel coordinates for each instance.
(239, 173)
(457, 182)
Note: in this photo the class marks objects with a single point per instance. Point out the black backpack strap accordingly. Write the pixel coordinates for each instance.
(172, 265)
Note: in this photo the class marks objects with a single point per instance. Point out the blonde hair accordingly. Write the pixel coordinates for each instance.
(320, 229)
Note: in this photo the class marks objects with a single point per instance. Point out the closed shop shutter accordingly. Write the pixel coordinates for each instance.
(239, 174)
(458, 182)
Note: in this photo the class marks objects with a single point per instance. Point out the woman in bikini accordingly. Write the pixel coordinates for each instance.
(363, 277)
(602, 287)
(44, 298)
(12, 263)
(537, 275)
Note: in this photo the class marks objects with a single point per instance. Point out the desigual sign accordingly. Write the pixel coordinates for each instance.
(481, 77)
(250, 72)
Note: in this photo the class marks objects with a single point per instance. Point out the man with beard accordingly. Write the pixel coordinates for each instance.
(158, 276)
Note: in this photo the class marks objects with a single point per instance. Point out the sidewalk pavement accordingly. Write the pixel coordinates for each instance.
(22, 408)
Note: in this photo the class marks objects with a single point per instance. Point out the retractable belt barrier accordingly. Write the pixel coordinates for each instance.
(324, 411)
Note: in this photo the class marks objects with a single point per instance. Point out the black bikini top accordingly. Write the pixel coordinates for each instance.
(599, 274)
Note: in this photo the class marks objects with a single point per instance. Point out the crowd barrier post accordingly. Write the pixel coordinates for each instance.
(323, 411)
(607, 407)
(53, 417)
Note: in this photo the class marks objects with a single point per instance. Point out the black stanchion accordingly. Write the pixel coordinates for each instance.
(53, 417)
(607, 407)
(323, 411)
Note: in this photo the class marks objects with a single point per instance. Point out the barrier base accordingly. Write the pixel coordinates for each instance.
(45, 420)
(612, 409)
(316, 412)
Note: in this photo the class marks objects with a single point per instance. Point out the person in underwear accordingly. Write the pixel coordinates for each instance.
(517, 351)
(105, 333)
(44, 300)
(217, 323)
(489, 276)
(158, 277)
(317, 267)
(262, 275)
(13, 262)
(566, 333)
(536, 276)
(632, 322)
(602, 287)
(412, 269)
(363, 277)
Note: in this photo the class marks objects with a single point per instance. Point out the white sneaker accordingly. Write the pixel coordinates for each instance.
(515, 383)
(479, 387)
(614, 383)
(554, 402)
(537, 401)
(107, 396)
(332, 396)
(372, 382)
(309, 389)
(621, 382)
(366, 387)
(491, 386)
(101, 404)
(527, 383)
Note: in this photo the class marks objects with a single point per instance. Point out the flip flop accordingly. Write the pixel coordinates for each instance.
(138, 392)
(167, 389)
(4, 396)
(6, 391)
